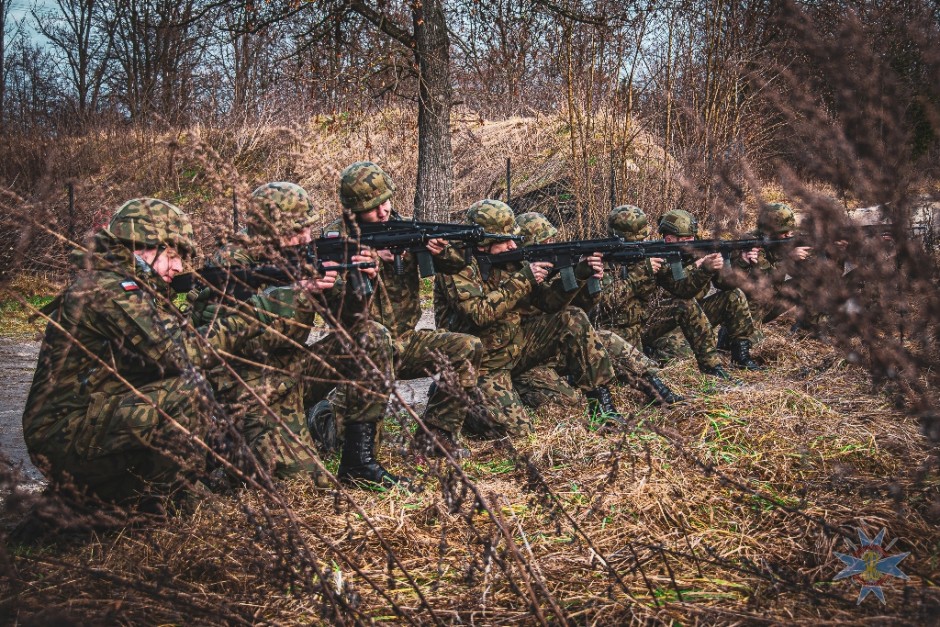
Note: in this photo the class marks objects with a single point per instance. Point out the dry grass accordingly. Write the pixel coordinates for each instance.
(724, 510)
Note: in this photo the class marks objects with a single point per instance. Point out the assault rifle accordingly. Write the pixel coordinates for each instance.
(678, 253)
(412, 236)
(562, 255)
(565, 255)
(241, 282)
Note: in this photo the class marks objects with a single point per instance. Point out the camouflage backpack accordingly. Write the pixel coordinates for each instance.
(494, 216)
(151, 223)
(629, 222)
(776, 219)
(280, 209)
(679, 223)
(363, 186)
(535, 228)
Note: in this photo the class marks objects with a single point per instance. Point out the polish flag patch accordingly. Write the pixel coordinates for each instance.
(130, 286)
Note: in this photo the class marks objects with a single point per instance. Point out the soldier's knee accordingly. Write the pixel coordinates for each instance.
(574, 317)
(738, 298)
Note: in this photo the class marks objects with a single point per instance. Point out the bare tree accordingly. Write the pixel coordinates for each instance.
(156, 45)
(83, 41)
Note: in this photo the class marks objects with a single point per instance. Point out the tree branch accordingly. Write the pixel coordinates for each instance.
(384, 23)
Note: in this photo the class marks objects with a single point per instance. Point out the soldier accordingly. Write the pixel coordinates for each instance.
(493, 309)
(726, 308)
(769, 290)
(365, 192)
(119, 397)
(625, 306)
(281, 375)
(542, 383)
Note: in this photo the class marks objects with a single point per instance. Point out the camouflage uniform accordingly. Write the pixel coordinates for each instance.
(278, 378)
(543, 384)
(117, 365)
(499, 311)
(396, 304)
(770, 290)
(632, 305)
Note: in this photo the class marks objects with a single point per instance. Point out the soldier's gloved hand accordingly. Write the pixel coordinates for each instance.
(540, 270)
(322, 282)
(436, 246)
(750, 256)
(370, 256)
(800, 253)
(655, 263)
(590, 266)
(713, 262)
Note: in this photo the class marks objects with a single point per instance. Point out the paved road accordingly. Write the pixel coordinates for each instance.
(19, 360)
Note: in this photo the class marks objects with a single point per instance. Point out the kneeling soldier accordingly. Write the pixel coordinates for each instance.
(119, 396)
(282, 374)
(631, 365)
(493, 309)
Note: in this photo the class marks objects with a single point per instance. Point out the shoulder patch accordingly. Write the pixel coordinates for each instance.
(331, 234)
(130, 286)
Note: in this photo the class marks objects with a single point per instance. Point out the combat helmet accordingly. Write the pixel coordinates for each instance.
(679, 223)
(494, 216)
(629, 222)
(280, 208)
(151, 223)
(363, 186)
(535, 228)
(775, 219)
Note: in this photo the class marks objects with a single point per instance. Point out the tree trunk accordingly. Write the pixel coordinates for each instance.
(435, 156)
(4, 9)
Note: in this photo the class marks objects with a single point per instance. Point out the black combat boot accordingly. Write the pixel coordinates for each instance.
(659, 393)
(724, 341)
(358, 463)
(719, 372)
(446, 443)
(321, 422)
(601, 406)
(741, 355)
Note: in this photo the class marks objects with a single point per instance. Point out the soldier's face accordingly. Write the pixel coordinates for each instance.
(502, 247)
(786, 235)
(297, 239)
(675, 238)
(379, 214)
(166, 263)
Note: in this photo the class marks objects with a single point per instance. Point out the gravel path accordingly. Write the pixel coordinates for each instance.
(20, 359)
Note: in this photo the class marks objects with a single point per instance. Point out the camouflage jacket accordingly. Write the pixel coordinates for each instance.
(116, 323)
(770, 267)
(396, 303)
(628, 296)
(550, 296)
(465, 303)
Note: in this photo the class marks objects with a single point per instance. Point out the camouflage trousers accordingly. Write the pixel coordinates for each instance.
(123, 445)
(686, 314)
(567, 335)
(769, 304)
(455, 357)
(728, 308)
(545, 384)
(270, 404)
